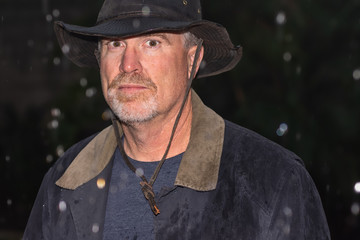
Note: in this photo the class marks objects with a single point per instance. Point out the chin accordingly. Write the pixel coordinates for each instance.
(138, 112)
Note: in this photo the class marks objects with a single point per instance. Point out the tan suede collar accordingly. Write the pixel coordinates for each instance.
(199, 166)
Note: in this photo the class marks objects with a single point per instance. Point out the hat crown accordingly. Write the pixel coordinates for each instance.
(176, 10)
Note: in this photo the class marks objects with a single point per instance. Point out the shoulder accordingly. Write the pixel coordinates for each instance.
(258, 165)
(250, 144)
(59, 167)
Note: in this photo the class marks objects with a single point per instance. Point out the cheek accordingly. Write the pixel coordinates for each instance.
(107, 73)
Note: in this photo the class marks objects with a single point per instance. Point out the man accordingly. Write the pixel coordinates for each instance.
(168, 167)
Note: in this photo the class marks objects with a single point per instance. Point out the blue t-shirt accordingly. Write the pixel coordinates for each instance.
(128, 214)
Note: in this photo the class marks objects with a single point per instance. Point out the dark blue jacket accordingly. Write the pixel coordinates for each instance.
(232, 184)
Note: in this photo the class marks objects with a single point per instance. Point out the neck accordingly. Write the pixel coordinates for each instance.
(148, 141)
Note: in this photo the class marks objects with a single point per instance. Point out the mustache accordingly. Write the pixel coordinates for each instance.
(133, 78)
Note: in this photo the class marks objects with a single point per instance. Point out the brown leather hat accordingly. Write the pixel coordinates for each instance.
(126, 18)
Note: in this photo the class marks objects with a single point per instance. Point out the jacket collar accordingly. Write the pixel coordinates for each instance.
(199, 166)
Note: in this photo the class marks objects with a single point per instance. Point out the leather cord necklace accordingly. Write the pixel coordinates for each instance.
(146, 186)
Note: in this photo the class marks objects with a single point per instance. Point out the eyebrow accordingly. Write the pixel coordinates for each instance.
(160, 35)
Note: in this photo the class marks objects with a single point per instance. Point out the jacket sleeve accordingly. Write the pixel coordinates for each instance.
(298, 212)
(38, 222)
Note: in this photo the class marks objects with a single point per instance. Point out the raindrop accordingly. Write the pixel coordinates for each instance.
(49, 18)
(92, 200)
(95, 228)
(83, 82)
(90, 92)
(287, 57)
(286, 229)
(298, 70)
(288, 38)
(49, 46)
(113, 189)
(55, 112)
(136, 23)
(60, 150)
(139, 172)
(280, 18)
(7, 158)
(56, 61)
(106, 115)
(53, 124)
(100, 183)
(62, 206)
(124, 176)
(146, 11)
(356, 74)
(9, 202)
(30, 43)
(355, 209)
(283, 128)
(357, 187)
(287, 211)
(49, 158)
(65, 49)
(203, 64)
(56, 13)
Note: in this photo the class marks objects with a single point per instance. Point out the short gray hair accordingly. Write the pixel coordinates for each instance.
(190, 40)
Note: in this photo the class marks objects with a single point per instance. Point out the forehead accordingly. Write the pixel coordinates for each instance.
(170, 38)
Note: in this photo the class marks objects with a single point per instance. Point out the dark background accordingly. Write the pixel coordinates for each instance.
(301, 67)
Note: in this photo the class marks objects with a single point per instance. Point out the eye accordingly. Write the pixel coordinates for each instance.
(152, 43)
(115, 44)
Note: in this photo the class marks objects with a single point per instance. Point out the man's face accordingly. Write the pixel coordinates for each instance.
(146, 76)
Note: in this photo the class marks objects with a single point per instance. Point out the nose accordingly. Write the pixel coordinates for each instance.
(130, 61)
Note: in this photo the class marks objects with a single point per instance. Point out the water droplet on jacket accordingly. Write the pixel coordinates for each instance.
(139, 172)
(95, 228)
(287, 211)
(62, 206)
(100, 183)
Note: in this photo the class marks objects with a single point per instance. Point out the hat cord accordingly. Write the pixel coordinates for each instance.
(146, 186)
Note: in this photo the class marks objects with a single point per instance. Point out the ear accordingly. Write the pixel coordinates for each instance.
(191, 57)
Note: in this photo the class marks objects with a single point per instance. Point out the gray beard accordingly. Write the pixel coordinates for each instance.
(146, 111)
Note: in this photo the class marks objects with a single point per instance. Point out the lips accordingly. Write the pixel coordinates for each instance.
(131, 88)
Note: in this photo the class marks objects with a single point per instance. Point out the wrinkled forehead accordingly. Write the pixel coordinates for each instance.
(169, 37)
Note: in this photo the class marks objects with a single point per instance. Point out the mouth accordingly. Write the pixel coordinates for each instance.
(131, 88)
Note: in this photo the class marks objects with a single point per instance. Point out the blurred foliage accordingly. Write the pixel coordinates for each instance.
(298, 68)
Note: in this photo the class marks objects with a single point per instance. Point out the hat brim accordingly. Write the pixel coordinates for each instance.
(79, 43)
